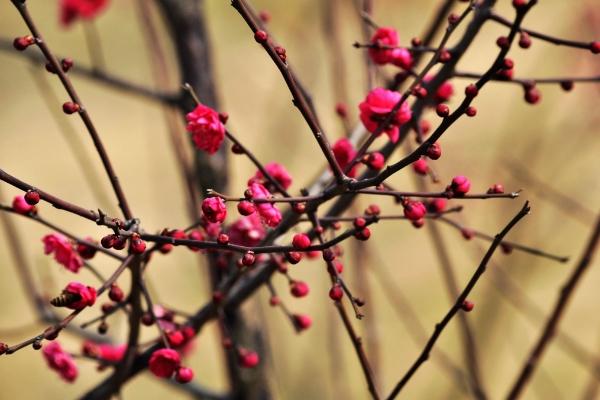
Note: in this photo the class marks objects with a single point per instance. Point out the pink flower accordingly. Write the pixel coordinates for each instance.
(70, 10)
(164, 362)
(402, 58)
(247, 231)
(64, 252)
(384, 37)
(214, 209)
(414, 210)
(206, 128)
(344, 152)
(60, 361)
(277, 172)
(377, 106)
(268, 212)
(86, 295)
(20, 205)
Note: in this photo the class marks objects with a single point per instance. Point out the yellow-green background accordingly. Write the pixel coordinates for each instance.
(556, 140)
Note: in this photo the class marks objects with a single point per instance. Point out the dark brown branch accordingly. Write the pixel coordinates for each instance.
(509, 244)
(57, 202)
(102, 77)
(558, 311)
(528, 81)
(37, 218)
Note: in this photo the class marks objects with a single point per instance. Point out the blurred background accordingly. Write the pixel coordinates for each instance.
(548, 149)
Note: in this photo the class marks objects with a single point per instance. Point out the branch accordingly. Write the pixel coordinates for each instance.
(553, 321)
(459, 301)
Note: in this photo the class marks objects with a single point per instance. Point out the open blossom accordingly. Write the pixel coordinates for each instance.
(164, 362)
(85, 295)
(64, 252)
(71, 10)
(247, 231)
(214, 209)
(20, 205)
(60, 361)
(206, 128)
(268, 212)
(385, 38)
(277, 172)
(377, 106)
(344, 152)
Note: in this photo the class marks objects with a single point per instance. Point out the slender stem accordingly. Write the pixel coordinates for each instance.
(547, 38)
(38, 218)
(540, 81)
(150, 306)
(99, 218)
(511, 245)
(511, 195)
(105, 78)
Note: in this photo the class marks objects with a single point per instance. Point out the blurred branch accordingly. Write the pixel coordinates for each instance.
(99, 76)
(553, 321)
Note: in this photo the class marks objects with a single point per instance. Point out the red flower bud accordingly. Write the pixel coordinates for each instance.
(32, 197)
(69, 107)
(442, 110)
(299, 289)
(293, 257)
(261, 36)
(184, 375)
(336, 292)
(524, 40)
(116, 293)
(302, 321)
(467, 305)
(434, 151)
(21, 43)
(301, 241)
